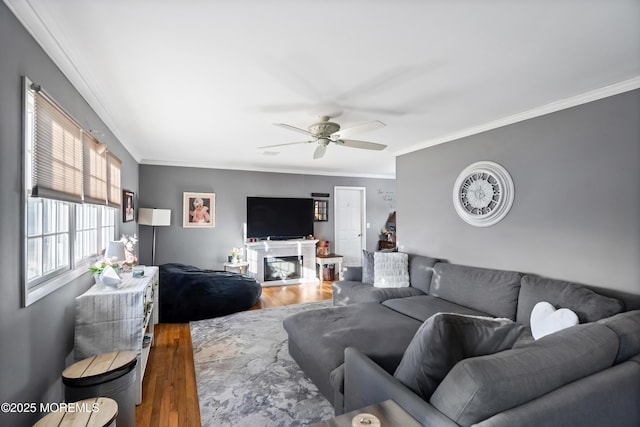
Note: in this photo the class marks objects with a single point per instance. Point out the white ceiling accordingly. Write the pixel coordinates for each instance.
(201, 82)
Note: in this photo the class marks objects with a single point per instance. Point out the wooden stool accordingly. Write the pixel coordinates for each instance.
(94, 412)
(110, 375)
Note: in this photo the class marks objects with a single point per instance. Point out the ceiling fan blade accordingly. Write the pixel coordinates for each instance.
(282, 108)
(320, 150)
(293, 128)
(361, 128)
(396, 76)
(288, 143)
(360, 144)
(377, 110)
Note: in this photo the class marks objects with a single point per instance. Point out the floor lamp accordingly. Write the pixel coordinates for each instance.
(154, 218)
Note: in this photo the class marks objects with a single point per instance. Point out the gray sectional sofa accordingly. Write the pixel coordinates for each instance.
(584, 375)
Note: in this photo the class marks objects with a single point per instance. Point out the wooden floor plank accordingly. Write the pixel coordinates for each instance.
(170, 396)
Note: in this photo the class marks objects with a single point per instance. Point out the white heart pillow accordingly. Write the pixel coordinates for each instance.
(545, 319)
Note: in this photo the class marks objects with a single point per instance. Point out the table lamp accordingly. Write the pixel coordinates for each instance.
(155, 218)
(115, 251)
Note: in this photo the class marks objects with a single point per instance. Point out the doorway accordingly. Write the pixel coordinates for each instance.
(350, 220)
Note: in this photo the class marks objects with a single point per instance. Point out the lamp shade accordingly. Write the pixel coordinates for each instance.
(155, 217)
(115, 250)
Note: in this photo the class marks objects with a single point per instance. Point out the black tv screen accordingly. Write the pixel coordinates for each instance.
(279, 217)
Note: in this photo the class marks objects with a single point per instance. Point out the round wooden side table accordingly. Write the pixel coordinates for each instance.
(94, 412)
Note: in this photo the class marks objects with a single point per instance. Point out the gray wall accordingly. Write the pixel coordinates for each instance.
(37, 340)
(162, 187)
(576, 212)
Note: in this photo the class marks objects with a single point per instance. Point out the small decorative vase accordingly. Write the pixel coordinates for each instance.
(234, 260)
(96, 277)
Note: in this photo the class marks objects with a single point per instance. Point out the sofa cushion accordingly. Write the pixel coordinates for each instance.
(444, 340)
(390, 270)
(480, 387)
(337, 378)
(422, 307)
(627, 327)
(345, 293)
(421, 271)
(322, 335)
(367, 267)
(351, 273)
(490, 291)
(588, 305)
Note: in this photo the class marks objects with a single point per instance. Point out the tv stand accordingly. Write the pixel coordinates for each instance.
(258, 251)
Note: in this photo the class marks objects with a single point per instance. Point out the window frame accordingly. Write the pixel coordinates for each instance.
(46, 283)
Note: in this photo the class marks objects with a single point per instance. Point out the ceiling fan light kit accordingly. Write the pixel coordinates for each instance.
(325, 132)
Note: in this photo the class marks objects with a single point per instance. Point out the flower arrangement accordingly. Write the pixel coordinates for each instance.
(130, 260)
(99, 266)
(235, 252)
(129, 249)
(130, 242)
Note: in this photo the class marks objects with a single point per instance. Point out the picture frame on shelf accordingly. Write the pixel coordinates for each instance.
(198, 210)
(128, 208)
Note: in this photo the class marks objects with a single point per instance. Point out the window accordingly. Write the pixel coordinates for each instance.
(72, 196)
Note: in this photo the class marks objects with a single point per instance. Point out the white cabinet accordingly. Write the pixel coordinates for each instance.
(117, 319)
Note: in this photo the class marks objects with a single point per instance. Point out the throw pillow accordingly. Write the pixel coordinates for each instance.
(390, 270)
(443, 340)
(367, 267)
(545, 319)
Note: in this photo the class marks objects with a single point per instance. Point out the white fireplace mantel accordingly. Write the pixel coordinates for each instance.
(258, 251)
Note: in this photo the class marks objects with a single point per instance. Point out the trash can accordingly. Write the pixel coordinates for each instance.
(110, 375)
(328, 272)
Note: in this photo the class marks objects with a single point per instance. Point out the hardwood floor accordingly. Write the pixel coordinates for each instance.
(169, 395)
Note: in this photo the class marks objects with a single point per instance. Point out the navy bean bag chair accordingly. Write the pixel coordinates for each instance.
(190, 293)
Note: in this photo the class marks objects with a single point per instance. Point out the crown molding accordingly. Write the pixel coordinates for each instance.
(318, 172)
(584, 98)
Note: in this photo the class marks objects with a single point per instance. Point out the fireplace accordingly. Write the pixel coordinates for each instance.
(282, 268)
(301, 253)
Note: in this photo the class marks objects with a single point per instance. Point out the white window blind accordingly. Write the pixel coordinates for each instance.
(57, 153)
(113, 180)
(95, 171)
(66, 162)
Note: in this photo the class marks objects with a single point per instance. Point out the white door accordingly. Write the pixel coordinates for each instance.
(350, 237)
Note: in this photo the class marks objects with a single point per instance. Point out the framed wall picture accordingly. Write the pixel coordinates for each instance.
(199, 210)
(128, 213)
(320, 210)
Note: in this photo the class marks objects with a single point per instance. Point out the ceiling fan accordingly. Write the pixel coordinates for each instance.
(325, 132)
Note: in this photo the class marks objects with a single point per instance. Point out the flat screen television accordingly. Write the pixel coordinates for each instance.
(279, 217)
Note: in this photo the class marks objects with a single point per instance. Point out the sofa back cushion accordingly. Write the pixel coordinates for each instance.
(588, 305)
(444, 340)
(367, 267)
(421, 271)
(490, 291)
(480, 387)
(627, 327)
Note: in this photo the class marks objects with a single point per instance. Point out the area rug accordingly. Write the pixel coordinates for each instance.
(245, 375)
